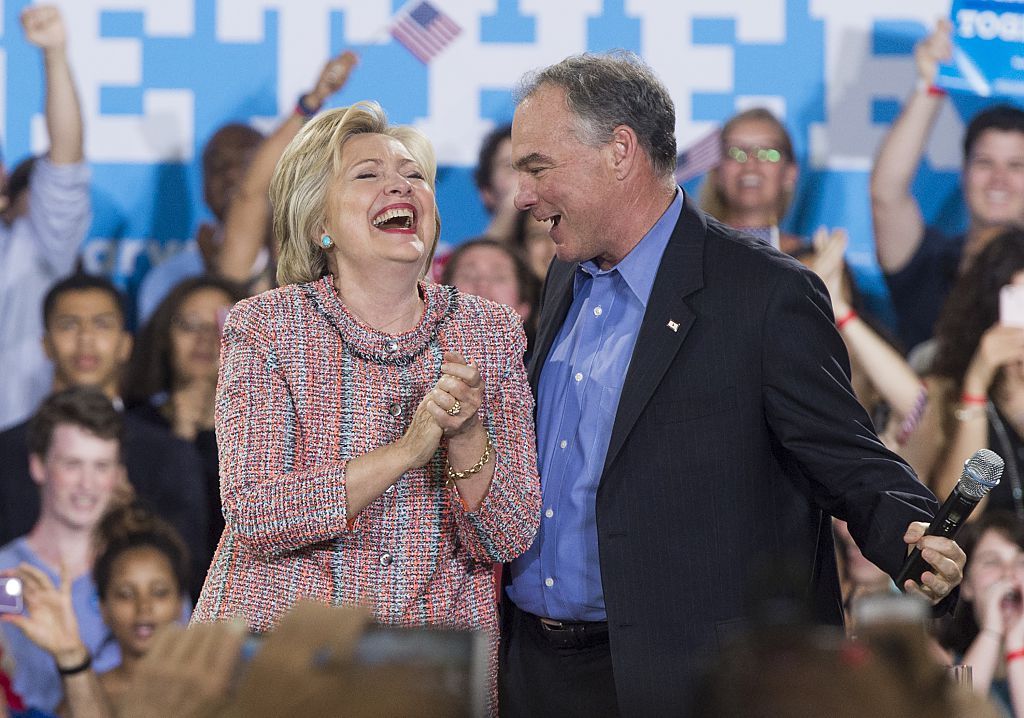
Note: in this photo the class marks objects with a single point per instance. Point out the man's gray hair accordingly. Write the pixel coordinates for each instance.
(607, 90)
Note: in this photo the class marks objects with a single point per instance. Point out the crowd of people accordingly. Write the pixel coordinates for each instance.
(619, 409)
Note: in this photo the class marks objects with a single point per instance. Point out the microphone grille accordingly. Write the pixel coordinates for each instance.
(981, 473)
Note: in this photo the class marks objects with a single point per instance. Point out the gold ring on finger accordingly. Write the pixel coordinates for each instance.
(455, 409)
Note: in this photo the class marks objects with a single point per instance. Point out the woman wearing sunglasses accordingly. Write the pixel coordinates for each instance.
(752, 187)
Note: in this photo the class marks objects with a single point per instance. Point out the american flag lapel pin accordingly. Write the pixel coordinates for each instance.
(673, 325)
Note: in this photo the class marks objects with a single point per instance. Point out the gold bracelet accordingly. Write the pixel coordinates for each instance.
(454, 475)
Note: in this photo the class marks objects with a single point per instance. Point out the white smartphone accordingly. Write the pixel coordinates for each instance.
(10, 595)
(1011, 305)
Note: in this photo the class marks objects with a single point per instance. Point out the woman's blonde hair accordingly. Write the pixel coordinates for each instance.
(305, 172)
(711, 198)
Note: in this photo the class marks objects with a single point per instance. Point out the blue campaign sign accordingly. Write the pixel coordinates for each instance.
(988, 49)
(156, 79)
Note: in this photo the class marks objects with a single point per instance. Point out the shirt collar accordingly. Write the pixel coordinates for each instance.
(640, 266)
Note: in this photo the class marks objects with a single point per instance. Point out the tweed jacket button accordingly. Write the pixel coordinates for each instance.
(385, 559)
(395, 410)
(392, 346)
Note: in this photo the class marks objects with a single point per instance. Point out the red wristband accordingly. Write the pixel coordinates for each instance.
(846, 319)
(924, 87)
(1014, 655)
(974, 399)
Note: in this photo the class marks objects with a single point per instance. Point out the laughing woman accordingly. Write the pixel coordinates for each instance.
(375, 431)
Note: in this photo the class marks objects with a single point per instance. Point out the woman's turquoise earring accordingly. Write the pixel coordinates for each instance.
(326, 242)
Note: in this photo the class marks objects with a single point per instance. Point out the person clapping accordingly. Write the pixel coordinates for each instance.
(375, 431)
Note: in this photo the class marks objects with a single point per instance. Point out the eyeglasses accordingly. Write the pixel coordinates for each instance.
(761, 154)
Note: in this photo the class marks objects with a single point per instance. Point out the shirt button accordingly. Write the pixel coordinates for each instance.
(549, 513)
(385, 559)
(395, 410)
(549, 582)
(392, 346)
(563, 443)
(579, 376)
(597, 311)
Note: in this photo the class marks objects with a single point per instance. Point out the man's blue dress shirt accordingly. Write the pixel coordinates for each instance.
(560, 577)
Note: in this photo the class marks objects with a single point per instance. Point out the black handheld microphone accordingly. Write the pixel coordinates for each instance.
(981, 474)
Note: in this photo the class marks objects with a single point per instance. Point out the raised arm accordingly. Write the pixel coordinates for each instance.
(248, 215)
(49, 622)
(924, 447)
(44, 28)
(899, 226)
(888, 371)
(885, 367)
(999, 346)
(58, 209)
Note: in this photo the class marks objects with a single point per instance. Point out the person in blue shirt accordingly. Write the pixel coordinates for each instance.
(75, 460)
(141, 572)
(695, 420)
(44, 216)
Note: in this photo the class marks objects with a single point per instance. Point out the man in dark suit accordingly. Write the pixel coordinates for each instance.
(695, 420)
(86, 339)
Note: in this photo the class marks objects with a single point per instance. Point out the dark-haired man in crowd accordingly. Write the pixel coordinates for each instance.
(921, 263)
(44, 216)
(88, 343)
(225, 158)
(495, 182)
(695, 421)
(237, 166)
(74, 447)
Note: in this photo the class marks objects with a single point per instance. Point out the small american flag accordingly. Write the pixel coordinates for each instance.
(423, 29)
(699, 157)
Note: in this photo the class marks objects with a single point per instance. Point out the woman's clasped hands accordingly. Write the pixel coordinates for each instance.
(449, 409)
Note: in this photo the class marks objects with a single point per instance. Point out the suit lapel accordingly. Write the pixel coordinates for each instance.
(657, 343)
(557, 300)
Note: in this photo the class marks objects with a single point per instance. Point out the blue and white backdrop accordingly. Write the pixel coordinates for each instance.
(157, 77)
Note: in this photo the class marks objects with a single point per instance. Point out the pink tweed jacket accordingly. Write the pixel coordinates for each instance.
(304, 386)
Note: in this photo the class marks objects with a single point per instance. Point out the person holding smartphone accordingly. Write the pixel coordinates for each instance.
(141, 573)
(75, 462)
(976, 384)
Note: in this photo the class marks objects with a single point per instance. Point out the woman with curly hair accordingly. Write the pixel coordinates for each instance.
(141, 574)
(977, 379)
